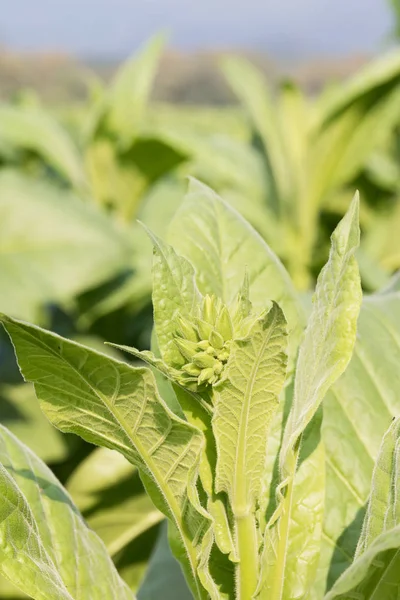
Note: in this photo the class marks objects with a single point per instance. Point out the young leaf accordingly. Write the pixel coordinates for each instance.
(383, 510)
(221, 246)
(174, 294)
(47, 549)
(375, 572)
(246, 401)
(112, 404)
(324, 355)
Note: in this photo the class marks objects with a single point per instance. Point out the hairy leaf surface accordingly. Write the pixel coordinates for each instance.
(112, 404)
(375, 572)
(324, 355)
(221, 245)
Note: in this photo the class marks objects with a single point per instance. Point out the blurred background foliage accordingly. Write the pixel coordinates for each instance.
(79, 168)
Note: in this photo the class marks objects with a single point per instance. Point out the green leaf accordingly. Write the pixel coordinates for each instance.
(331, 332)
(108, 490)
(324, 354)
(20, 413)
(117, 406)
(375, 572)
(385, 71)
(251, 87)
(131, 90)
(383, 510)
(221, 245)
(357, 411)
(174, 294)
(27, 129)
(72, 246)
(164, 578)
(246, 400)
(47, 550)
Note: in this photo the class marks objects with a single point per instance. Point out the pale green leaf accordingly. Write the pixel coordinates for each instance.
(131, 90)
(375, 574)
(331, 332)
(324, 354)
(117, 406)
(246, 401)
(251, 87)
(30, 129)
(221, 245)
(47, 549)
(174, 294)
(357, 412)
(21, 414)
(107, 489)
(375, 571)
(383, 512)
(52, 245)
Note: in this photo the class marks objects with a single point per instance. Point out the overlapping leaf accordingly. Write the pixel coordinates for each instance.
(324, 355)
(47, 549)
(375, 572)
(117, 406)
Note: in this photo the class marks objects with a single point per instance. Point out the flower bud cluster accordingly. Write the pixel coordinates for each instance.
(204, 343)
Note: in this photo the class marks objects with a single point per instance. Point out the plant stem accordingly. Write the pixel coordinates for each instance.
(247, 548)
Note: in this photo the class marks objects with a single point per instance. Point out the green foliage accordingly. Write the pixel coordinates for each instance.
(226, 369)
(241, 526)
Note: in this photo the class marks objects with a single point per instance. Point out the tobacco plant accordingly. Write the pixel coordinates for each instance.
(224, 426)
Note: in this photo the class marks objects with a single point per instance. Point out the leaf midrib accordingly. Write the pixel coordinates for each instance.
(155, 473)
(240, 476)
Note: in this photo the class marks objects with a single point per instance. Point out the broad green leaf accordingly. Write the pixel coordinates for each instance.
(21, 414)
(33, 130)
(52, 245)
(108, 491)
(246, 400)
(117, 406)
(324, 354)
(375, 574)
(357, 412)
(221, 246)
(47, 549)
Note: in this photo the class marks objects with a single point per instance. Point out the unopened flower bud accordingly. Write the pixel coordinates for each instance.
(187, 329)
(216, 340)
(207, 375)
(203, 360)
(224, 325)
(187, 348)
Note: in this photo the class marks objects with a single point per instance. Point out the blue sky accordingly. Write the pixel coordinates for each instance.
(116, 27)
